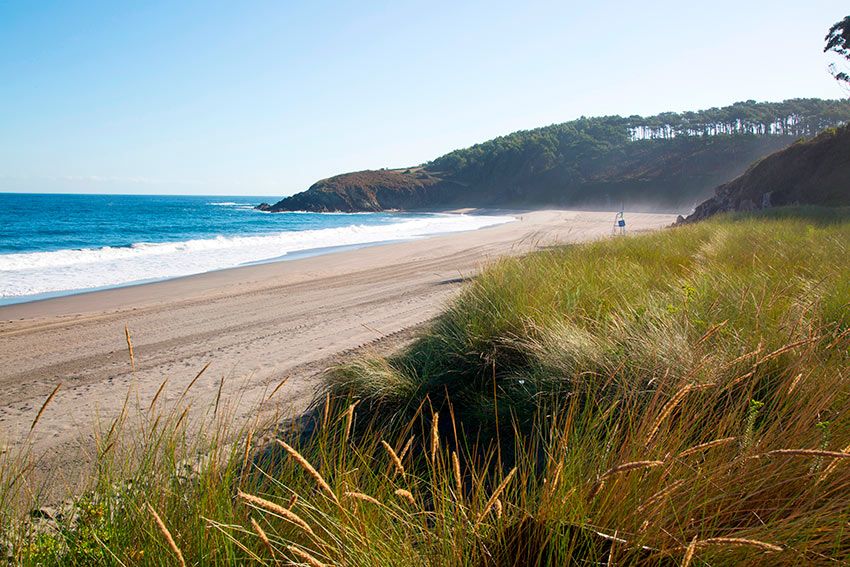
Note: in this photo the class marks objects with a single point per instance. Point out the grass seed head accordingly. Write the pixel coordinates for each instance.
(458, 478)
(263, 537)
(399, 467)
(167, 535)
(435, 436)
(496, 493)
(738, 542)
(277, 510)
(304, 556)
(44, 405)
(305, 464)
(689, 553)
(406, 495)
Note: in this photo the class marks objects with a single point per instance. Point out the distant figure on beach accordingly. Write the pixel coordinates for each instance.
(620, 223)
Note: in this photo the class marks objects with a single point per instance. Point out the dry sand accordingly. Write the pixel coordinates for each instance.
(254, 325)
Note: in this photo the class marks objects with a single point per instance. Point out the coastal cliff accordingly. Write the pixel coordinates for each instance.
(814, 172)
(367, 191)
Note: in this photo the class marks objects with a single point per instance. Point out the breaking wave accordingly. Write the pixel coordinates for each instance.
(35, 273)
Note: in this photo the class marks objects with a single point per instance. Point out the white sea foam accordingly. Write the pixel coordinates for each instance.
(63, 270)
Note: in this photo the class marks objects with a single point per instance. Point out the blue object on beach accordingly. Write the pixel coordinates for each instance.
(621, 223)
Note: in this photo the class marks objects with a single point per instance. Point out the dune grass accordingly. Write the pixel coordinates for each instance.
(680, 397)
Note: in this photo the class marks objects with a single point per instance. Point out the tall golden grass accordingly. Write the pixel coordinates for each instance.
(676, 397)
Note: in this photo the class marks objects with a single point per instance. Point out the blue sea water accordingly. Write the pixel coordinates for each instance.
(55, 244)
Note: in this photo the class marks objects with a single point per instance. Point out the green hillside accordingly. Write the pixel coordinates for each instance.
(670, 160)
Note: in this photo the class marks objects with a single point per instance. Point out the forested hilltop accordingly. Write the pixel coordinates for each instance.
(671, 160)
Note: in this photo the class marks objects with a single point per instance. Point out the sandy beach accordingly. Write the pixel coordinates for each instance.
(254, 325)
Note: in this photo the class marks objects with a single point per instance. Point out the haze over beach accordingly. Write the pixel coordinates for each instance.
(407, 284)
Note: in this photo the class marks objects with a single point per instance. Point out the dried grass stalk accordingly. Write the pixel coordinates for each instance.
(804, 453)
(458, 478)
(363, 497)
(44, 405)
(705, 446)
(671, 405)
(277, 510)
(794, 382)
(658, 496)
(349, 421)
(195, 379)
(278, 387)
(130, 347)
(786, 348)
(737, 542)
(596, 489)
(247, 453)
(740, 379)
(399, 467)
(406, 448)
(158, 392)
(263, 537)
(435, 436)
(304, 556)
(305, 464)
(551, 484)
(167, 535)
(218, 395)
(831, 467)
(406, 495)
(689, 553)
(744, 357)
(711, 331)
(495, 496)
(326, 411)
(625, 467)
(838, 339)
(182, 417)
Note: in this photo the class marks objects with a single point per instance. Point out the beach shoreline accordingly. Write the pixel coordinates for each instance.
(253, 324)
(9, 303)
(103, 253)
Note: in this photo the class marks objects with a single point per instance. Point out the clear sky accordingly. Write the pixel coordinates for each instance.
(263, 98)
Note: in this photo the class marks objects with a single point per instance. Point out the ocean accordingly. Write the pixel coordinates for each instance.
(54, 244)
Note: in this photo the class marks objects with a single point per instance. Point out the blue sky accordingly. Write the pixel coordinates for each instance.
(263, 98)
